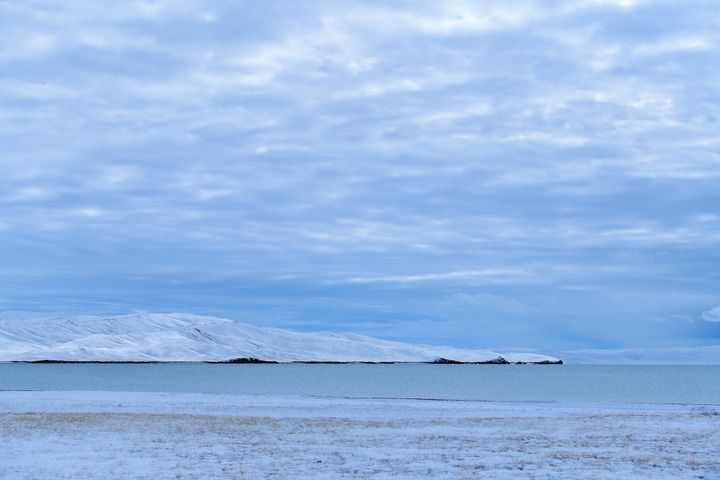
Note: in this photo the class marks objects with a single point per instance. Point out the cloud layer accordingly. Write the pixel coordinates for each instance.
(478, 174)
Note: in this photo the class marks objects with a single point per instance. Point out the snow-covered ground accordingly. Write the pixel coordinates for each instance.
(102, 435)
(182, 337)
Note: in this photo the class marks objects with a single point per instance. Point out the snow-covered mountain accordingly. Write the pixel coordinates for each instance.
(191, 338)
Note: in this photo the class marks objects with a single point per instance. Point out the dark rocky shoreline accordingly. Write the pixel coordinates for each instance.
(245, 361)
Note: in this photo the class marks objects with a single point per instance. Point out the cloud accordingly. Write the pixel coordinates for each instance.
(491, 275)
(361, 150)
(621, 3)
(488, 302)
(712, 315)
(681, 44)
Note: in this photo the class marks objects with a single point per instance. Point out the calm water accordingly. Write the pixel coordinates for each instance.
(572, 383)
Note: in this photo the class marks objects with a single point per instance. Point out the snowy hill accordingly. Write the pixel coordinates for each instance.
(192, 338)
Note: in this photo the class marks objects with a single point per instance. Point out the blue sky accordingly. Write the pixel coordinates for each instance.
(479, 174)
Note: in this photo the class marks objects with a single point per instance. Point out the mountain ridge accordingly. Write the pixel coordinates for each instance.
(177, 337)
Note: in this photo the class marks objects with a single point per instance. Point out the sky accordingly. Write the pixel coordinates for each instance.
(480, 174)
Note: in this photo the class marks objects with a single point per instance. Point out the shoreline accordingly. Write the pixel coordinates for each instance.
(250, 361)
(13, 401)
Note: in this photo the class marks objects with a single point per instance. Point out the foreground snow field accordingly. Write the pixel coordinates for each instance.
(62, 435)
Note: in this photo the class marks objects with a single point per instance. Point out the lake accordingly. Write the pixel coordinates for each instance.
(536, 383)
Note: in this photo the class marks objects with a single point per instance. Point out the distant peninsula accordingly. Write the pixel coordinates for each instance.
(152, 338)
